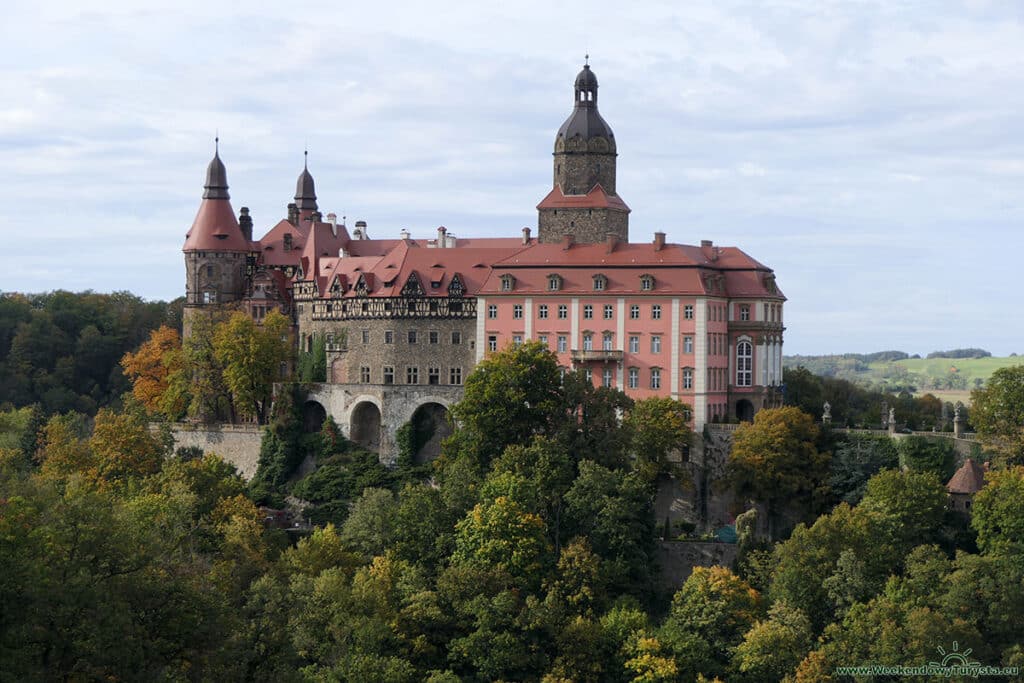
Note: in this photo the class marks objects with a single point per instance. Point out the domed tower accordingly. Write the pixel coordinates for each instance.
(583, 202)
(215, 249)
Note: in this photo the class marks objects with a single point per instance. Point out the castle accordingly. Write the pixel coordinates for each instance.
(405, 320)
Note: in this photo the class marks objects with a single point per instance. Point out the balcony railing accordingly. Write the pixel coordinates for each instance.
(598, 355)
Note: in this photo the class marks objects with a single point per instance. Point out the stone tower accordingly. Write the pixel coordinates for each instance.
(583, 202)
(215, 250)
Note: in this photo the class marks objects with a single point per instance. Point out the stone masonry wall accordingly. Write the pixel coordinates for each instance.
(236, 444)
(585, 225)
(678, 558)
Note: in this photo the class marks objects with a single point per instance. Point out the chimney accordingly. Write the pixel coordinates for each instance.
(567, 242)
(449, 242)
(360, 231)
(659, 241)
(245, 223)
(404, 234)
(332, 218)
(526, 235)
(441, 230)
(709, 249)
(293, 213)
(612, 242)
(315, 217)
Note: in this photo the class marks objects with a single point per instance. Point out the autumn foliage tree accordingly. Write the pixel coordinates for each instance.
(251, 355)
(997, 412)
(775, 460)
(150, 368)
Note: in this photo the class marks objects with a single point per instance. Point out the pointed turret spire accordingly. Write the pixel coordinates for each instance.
(216, 186)
(305, 190)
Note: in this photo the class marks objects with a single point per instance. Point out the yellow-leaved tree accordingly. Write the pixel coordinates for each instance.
(253, 357)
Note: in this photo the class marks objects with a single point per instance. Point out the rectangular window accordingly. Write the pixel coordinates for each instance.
(588, 311)
(562, 343)
(492, 343)
(543, 339)
(412, 375)
(588, 342)
(599, 283)
(492, 311)
(456, 337)
(389, 337)
(364, 374)
(553, 284)
(412, 336)
(589, 374)
(634, 378)
(609, 311)
(655, 378)
(455, 376)
(563, 311)
(433, 336)
(606, 341)
(687, 378)
(366, 336)
(634, 312)
(542, 311)
(389, 375)
(606, 377)
(634, 344)
(209, 297)
(687, 344)
(688, 312)
(517, 339)
(655, 312)
(517, 311)
(655, 343)
(433, 375)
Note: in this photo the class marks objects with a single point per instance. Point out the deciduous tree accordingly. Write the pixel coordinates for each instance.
(252, 355)
(997, 413)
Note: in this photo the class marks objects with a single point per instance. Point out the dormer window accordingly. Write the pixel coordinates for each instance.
(646, 283)
(554, 283)
(507, 283)
(600, 283)
(745, 312)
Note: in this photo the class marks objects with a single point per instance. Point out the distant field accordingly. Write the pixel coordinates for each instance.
(950, 379)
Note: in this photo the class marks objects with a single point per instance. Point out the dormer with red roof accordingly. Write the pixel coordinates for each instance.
(215, 247)
(582, 201)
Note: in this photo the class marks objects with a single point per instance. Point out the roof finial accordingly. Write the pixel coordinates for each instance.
(216, 143)
(586, 59)
(305, 159)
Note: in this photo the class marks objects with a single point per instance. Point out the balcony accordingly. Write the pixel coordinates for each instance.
(596, 355)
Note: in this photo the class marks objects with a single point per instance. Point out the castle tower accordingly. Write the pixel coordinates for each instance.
(583, 202)
(305, 189)
(215, 249)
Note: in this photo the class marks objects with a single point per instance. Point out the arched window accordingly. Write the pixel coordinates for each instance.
(744, 363)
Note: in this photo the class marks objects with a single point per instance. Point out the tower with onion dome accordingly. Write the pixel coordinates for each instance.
(583, 201)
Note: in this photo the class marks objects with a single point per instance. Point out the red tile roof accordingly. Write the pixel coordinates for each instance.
(969, 479)
(597, 198)
(215, 229)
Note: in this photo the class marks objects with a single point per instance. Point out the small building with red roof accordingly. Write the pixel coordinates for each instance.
(965, 482)
(405, 320)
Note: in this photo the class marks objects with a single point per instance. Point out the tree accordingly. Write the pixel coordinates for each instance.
(252, 355)
(510, 396)
(855, 460)
(998, 515)
(370, 527)
(149, 369)
(124, 447)
(200, 379)
(501, 535)
(775, 460)
(708, 618)
(924, 454)
(659, 427)
(773, 647)
(997, 413)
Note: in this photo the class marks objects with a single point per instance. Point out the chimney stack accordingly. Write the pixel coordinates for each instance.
(245, 223)
(567, 242)
(612, 242)
(332, 218)
(360, 231)
(659, 241)
(526, 236)
(441, 230)
(293, 213)
(404, 234)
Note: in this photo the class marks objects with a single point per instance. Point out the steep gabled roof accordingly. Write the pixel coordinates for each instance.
(969, 479)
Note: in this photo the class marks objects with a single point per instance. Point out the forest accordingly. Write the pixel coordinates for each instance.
(526, 552)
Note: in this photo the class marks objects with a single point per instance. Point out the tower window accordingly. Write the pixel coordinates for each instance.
(210, 297)
(744, 364)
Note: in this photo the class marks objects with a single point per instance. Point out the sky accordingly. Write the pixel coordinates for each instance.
(871, 153)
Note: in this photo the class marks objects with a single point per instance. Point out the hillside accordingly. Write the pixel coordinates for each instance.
(945, 377)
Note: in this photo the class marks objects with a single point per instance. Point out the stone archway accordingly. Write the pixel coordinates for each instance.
(430, 426)
(313, 416)
(744, 410)
(364, 428)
